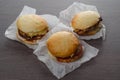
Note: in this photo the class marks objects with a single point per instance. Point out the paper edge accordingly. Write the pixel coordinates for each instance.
(36, 52)
(103, 32)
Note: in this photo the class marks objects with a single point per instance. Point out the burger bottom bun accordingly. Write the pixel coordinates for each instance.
(26, 41)
(71, 59)
(91, 32)
(74, 58)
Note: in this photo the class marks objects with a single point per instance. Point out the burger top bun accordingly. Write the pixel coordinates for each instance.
(31, 23)
(62, 44)
(85, 19)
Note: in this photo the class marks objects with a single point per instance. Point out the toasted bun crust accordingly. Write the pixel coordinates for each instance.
(85, 19)
(74, 58)
(91, 32)
(31, 23)
(70, 59)
(26, 41)
(62, 44)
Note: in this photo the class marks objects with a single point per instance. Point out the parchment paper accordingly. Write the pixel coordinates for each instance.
(67, 15)
(12, 29)
(57, 68)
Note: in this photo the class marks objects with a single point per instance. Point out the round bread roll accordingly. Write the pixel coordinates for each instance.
(31, 27)
(64, 46)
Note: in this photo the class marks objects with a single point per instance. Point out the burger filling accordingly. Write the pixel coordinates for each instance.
(32, 36)
(73, 57)
(91, 30)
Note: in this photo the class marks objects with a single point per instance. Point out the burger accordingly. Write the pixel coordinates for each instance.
(86, 23)
(64, 46)
(31, 28)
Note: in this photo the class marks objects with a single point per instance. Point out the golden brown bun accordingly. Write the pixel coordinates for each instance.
(77, 56)
(26, 41)
(74, 58)
(62, 44)
(85, 19)
(31, 23)
(91, 32)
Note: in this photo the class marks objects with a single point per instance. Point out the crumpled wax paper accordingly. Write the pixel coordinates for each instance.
(12, 29)
(67, 15)
(57, 68)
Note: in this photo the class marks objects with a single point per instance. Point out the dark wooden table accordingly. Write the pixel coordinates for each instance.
(17, 62)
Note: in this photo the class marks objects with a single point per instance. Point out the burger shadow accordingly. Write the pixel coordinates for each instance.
(97, 43)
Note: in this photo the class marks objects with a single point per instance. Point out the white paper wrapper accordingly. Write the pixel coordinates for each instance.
(12, 29)
(61, 69)
(67, 15)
